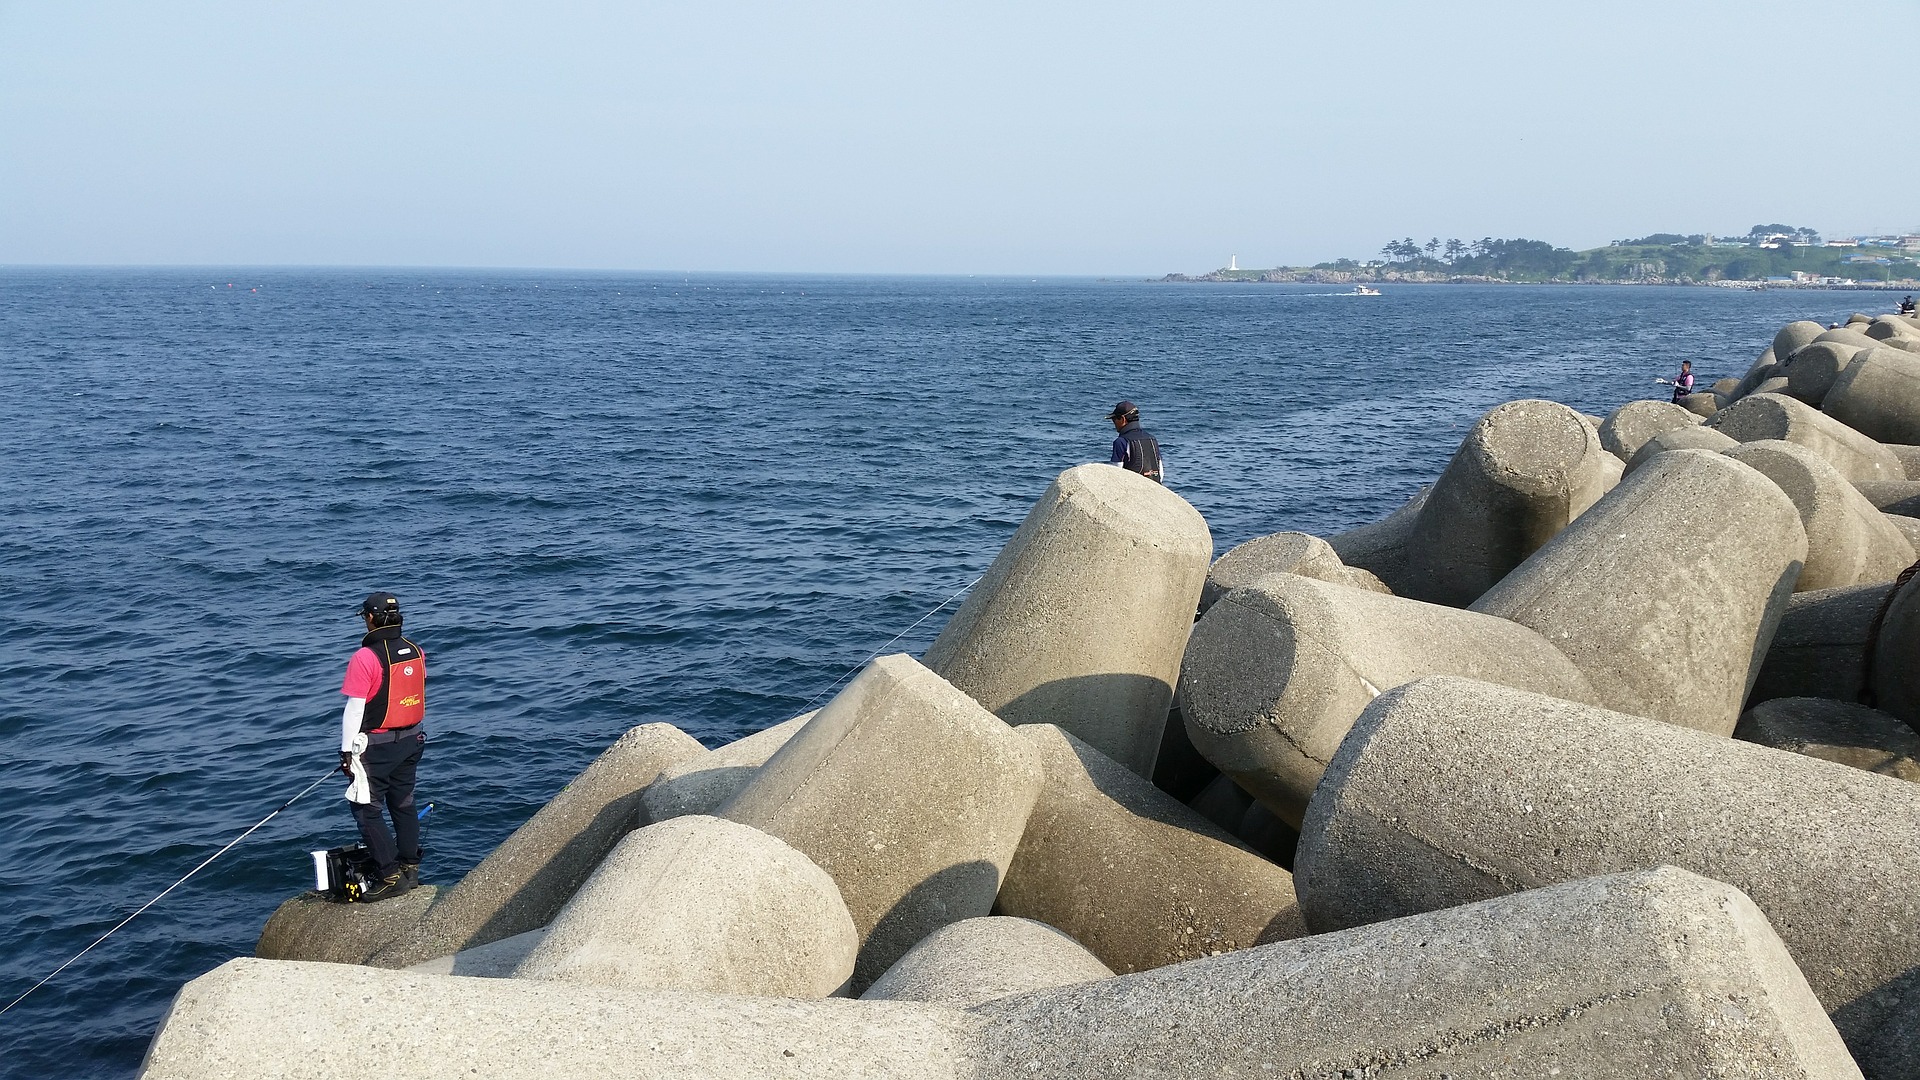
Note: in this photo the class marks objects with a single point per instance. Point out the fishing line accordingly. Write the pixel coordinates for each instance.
(168, 889)
(855, 669)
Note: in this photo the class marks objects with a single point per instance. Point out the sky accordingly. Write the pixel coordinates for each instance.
(1023, 138)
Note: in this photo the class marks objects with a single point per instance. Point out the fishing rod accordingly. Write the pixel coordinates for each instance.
(855, 669)
(170, 888)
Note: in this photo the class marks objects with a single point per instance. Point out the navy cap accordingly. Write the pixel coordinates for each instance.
(380, 603)
(1124, 410)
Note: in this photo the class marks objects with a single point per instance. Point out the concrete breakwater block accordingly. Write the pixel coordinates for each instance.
(973, 961)
(525, 881)
(494, 960)
(1792, 336)
(1777, 416)
(1837, 731)
(908, 794)
(1450, 791)
(701, 903)
(311, 927)
(1685, 438)
(1895, 677)
(1701, 404)
(1888, 327)
(1134, 876)
(1892, 496)
(1820, 647)
(1878, 395)
(1036, 642)
(1277, 671)
(1666, 592)
(1811, 372)
(265, 1018)
(701, 784)
(1524, 470)
(1654, 974)
(1282, 553)
(1380, 547)
(1848, 335)
(1629, 427)
(1849, 542)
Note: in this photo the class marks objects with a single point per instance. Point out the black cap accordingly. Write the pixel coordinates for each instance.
(1124, 410)
(380, 603)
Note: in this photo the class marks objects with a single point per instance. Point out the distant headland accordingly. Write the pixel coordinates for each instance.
(1769, 256)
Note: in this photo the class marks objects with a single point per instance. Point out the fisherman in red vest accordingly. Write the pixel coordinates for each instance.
(381, 737)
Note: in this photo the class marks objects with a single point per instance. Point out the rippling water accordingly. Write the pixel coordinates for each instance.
(604, 501)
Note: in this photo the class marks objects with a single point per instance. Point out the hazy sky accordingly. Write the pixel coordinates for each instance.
(1102, 138)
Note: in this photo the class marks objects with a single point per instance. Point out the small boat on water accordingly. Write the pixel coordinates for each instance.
(1363, 290)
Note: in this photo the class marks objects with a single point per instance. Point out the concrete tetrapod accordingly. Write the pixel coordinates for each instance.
(1136, 877)
(1894, 675)
(1821, 645)
(701, 903)
(1792, 336)
(1629, 427)
(701, 785)
(1524, 470)
(1282, 553)
(1777, 416)
(909, 794)
(1849, 542)
(1666, 593)
(1686, 438)
(1277, 671)
(978, 960)
(1036, 642)
(1450, 791)
(1654, 974)
(532, 874)
(1380, 547)
(1811, 372)
(1837, 731)
(312, 927)
(1878, 395)
(1892, 496)
(1702, 404)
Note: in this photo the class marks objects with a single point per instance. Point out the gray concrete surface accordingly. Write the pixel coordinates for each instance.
(1819, 647)
(1893, 496)
(311, 927)
(909, 794)
(494, 960)
(1878, 395)
(701, 784)
(1282, 553)
(1630, 976)
(1451, 791)
(1023, 643)
(1380, 547)
(1837, 731)
(1849, 542)
(1811, 372)
(1139, 879)
(1777, 416)
(702, 903)
(974, 961)
(1792, 336)
(1896, 664)
(1698, 437)
(1277, 671)
(1703, 404)
(1628, 427)
(1666, 593)
(1523, 471)
(525, 881)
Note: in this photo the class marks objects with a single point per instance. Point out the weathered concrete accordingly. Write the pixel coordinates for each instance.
(1847, 335)
(1837, 731)
(494, 960)
(1775, 383)
(264, 1018)
(1908, 456)
(1888, 327)
(701, 903)
(311, 927)
(1793, 335)
(1380, 548)
(1666, 593)
(1878, 395)
(1277, 672)
(1282, 553)
(1892, 496)
(529, 877)
(1726, 387)
(1451, 791)
(701, 784)
(1811, 372)
(1025, 645)
(1698, 437)
(1896, 662)
(1907, 527)
(1776, 416)
(1701, 404)
(1849, 542)
(973, 961)
(1629, 427)
(909, 794)
(1654, 974)
(1137, 878)
(1524, 470)
(1820, 645)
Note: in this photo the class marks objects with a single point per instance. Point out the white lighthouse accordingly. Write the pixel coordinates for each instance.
(1233, 262)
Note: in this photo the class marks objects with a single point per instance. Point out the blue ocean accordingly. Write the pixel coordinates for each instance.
(607, 500)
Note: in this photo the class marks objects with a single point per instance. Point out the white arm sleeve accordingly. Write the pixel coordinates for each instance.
(350, 721)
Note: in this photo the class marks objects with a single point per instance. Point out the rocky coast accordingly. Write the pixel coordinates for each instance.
(1597, 758)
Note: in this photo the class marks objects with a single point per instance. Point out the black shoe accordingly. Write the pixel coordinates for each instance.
(387, 888)
(411, 872)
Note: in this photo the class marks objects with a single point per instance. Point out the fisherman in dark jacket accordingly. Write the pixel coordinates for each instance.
(1134, 449)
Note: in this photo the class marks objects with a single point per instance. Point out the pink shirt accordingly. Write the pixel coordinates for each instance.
(363, 675)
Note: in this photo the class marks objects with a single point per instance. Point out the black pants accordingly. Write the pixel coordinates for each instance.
(390, 768)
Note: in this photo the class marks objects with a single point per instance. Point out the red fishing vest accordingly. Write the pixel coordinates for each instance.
(401, 701)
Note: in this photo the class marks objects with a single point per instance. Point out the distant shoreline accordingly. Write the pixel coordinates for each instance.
(1325, 277)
